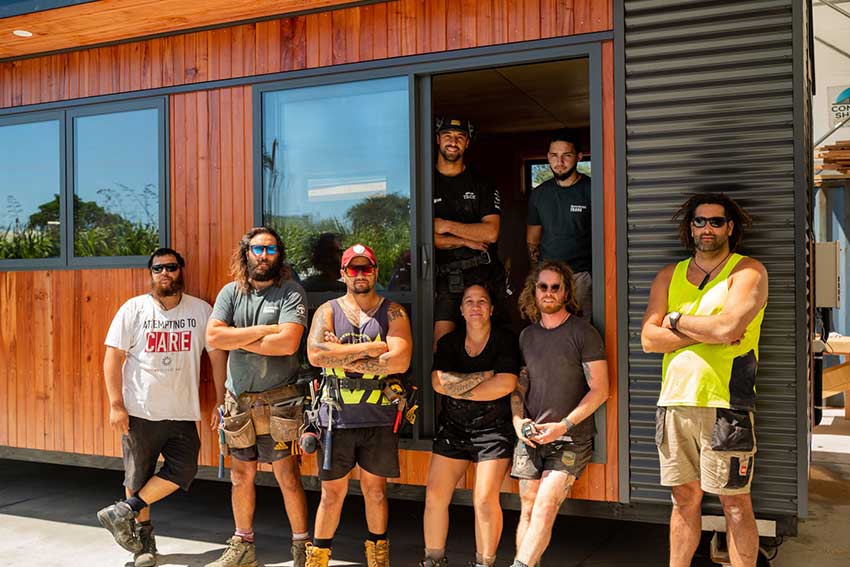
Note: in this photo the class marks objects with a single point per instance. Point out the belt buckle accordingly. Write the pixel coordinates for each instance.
(485, 258)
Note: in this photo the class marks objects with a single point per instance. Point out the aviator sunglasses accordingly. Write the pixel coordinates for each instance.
(715, 222)
(170, 267)
(257, 249)
(366, 270)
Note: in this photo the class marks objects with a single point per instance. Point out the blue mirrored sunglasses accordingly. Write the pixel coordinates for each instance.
(258, 249)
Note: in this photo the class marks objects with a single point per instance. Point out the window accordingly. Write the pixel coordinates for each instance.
(83, 186)
(336, 171)
(30, 185)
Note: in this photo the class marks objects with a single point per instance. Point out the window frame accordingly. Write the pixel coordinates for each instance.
(67, 133)
(419, 73)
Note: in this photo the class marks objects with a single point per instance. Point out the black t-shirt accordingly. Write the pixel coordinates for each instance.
(500, 354)
(564, 214)
(467, 197)
(554, 359)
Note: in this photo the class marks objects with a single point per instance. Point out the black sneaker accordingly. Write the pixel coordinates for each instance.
(120, 520)
(147, 556)
(442, 562)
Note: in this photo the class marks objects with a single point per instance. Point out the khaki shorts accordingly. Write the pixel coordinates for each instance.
(715, 446)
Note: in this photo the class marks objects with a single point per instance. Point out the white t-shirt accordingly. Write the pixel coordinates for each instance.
(163, 348)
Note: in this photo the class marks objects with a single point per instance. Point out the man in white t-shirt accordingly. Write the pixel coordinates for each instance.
(152, 370)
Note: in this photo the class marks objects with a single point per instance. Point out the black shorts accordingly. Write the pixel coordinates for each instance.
(176, 441)
(570, 457)
(375, 449)
(475, 445)
(265, 450)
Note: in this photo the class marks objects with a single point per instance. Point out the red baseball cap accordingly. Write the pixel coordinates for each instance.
(358, 251)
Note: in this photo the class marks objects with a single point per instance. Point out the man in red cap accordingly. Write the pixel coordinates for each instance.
(363, 344)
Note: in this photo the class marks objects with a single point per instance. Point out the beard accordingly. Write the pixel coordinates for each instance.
(562, 176)
(362, 288)
(451, 157)
(167, 288)
(263, 271)
(710, 245)
(549, 308)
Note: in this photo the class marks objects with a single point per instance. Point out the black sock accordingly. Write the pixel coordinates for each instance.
(323, 543)
(136, 503)
(377, 537)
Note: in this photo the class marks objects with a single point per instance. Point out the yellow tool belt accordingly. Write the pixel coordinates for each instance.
(262, 413)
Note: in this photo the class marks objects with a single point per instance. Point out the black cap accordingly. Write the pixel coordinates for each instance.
(459, 124)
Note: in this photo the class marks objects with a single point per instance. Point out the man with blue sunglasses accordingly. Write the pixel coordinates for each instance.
(260, 318)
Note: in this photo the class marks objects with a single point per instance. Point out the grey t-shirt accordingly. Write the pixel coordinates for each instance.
(554, 359)
(564, 213)
(279, 303)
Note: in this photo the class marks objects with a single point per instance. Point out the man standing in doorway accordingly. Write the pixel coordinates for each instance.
(363, 344)
(152, 370)
(559, 219)
(705, 315)
(260, 318)
(565, 380)
(467, 211)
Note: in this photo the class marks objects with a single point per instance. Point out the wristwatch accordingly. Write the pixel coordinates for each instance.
(569, 425)
(674, 317)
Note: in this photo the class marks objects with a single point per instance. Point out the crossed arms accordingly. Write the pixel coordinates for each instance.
(482, 386)
(477, 236)
(379, 357)
(747, 295)
(282, 339)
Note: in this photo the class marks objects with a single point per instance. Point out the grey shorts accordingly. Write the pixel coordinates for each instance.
(565, 456)
(265, 450)
(176, 441)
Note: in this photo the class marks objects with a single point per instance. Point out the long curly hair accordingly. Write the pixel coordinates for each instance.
(239, 261)
(733, 211)
(527, 299)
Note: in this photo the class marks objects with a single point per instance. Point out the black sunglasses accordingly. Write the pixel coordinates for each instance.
(170, 267)
(715, 222)
(555, 287)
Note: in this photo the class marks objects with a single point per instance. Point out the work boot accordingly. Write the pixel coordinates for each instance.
(378, 553)
(317, 556)
(441, 562)
(120, 520)
(238, 554)
(147, 556)
(299, 553)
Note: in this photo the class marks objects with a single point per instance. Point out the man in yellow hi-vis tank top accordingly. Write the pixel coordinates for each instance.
(704, 315)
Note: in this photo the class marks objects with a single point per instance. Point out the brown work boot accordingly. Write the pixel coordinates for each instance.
(378, 553)
(299, 553)
(317, 556)
(238, 554)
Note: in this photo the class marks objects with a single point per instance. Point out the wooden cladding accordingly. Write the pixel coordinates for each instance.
(365, 33)
(51, 335)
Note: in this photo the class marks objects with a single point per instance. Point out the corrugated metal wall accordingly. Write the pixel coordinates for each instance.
(710, 104)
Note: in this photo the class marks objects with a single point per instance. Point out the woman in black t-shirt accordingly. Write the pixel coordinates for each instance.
(475, 369)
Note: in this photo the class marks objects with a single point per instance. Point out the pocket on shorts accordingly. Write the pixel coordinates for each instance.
(239, 431)
(285, 422)
(660, 417)
(733, 431)
(740, 470)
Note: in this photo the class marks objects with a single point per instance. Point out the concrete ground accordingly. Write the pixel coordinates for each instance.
(47, 518)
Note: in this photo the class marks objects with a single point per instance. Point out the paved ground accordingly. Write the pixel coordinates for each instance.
(47, 519)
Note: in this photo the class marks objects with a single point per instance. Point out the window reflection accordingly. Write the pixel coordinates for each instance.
(116, 184)
(30, 185)
(336, 171)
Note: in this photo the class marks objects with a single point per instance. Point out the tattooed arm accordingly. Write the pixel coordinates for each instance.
(328, 354)
(518, 406)
(456, 384)
(396, 358)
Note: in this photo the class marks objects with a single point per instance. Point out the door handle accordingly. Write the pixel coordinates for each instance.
(425, 261)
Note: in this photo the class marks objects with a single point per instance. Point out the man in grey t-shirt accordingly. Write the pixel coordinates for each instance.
(260, 318)
(565, 379)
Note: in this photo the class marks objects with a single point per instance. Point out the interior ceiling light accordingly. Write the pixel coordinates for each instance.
(22, 33)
